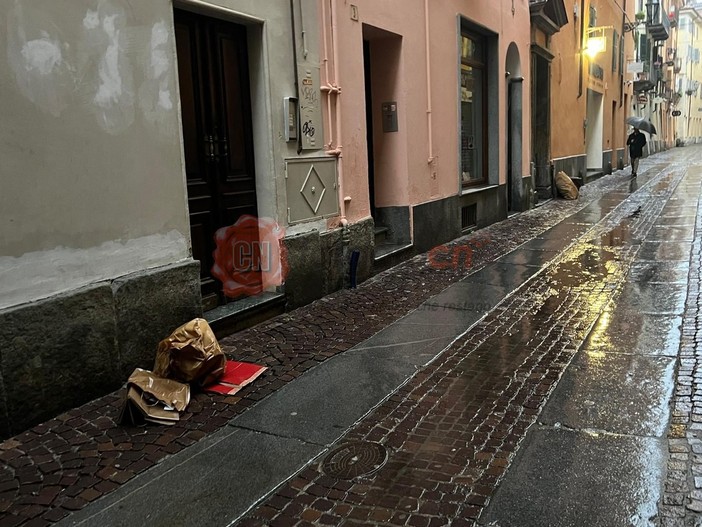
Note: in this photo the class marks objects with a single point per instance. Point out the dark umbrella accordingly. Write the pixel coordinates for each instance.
(642, 124)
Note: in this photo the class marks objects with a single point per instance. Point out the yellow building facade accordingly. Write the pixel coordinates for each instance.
(610, 63)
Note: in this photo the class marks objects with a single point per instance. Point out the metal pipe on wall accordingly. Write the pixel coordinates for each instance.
(580, 51)
(337, 151)
(328, 89)
(430, 127)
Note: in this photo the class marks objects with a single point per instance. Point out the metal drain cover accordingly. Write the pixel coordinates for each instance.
(359, 458)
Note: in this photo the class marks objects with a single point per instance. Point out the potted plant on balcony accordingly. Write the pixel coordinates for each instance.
(640, 16)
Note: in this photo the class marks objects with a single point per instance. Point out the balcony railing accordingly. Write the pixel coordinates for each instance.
(659, 23)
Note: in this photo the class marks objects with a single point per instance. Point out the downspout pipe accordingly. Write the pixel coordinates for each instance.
(582, 44)
(430, 128)
(337, 151)
(328, 89)
(295, 70)
(621, 51)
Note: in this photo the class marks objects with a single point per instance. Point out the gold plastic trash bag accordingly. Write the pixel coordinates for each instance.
(191, 354)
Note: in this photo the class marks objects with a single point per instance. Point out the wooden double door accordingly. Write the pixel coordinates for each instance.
(217, 134)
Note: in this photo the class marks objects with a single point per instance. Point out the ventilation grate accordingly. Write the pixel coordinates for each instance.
(469, 216)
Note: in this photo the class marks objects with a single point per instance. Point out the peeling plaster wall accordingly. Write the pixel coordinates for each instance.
(90, 144)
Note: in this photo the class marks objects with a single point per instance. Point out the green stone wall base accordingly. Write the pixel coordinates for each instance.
(66, 350)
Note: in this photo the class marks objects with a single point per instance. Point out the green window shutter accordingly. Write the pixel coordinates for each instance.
(615, 50)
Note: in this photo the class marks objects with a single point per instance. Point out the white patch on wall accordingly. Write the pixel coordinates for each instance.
(91, 20)
(98, 69)
(35, 55)
(42, 274)
(42, 55)
(114, 94)
(156, 92)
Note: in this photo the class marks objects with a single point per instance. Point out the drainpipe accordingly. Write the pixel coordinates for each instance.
(328, 89)
(582, 43)
(295, 72)
(621, 45)
(427, 50)
(337, 91)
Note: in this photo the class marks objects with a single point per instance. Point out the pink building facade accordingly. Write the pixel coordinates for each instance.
(427, 106)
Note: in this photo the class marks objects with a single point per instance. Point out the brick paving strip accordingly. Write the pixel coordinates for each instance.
(63, 464)
(682, 499)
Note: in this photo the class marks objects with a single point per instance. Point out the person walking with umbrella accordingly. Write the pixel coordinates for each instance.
(636, 142)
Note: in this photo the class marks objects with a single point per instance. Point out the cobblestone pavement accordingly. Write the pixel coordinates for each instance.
(682, 499)
(453, 429)
(63, 464)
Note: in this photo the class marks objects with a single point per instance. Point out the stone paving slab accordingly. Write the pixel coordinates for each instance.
(615, 392)
(628, 330)
(504, 275)
(656, 298)
(221, 484)
(665, 251)
(597, 494)
(467, 293)
(323, 404)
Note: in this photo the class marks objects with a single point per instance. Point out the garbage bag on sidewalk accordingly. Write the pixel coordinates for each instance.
(191, 354)
(154, 399)
(566, 188)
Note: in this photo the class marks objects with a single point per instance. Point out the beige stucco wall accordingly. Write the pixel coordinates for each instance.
(404, 175)
(91, 171)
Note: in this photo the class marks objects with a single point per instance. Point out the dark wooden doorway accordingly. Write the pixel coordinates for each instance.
(217, 134)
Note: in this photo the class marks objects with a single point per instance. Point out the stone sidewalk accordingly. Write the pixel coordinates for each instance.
(62, 465)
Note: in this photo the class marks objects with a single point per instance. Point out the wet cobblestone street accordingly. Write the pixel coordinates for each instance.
(453, 429)
(605, 289)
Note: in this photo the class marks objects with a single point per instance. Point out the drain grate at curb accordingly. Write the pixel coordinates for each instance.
(356, 459)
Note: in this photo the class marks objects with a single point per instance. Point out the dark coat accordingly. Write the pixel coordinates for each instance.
(636, 142)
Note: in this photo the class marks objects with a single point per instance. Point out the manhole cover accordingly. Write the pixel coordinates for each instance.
(352, 460)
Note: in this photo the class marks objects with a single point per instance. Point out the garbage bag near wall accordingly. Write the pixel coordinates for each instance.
(566, 188)
(153, 399)
(191, 354)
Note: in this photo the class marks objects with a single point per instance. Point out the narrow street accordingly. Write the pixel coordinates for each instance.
(537, 386)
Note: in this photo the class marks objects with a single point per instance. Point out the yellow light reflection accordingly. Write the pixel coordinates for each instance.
(599, 341)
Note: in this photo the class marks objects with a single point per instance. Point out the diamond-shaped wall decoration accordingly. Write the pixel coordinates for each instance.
(313, 189)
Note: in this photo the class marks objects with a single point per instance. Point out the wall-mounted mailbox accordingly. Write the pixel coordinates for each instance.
(389, 116)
